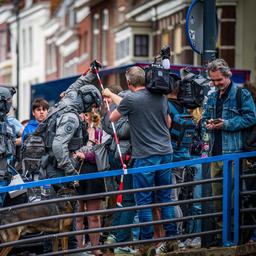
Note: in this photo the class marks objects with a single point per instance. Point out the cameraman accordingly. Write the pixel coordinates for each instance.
(182, 130)
(149, 122)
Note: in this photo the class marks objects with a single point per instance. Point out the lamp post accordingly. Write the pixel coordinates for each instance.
(209, 35)
(16, 11)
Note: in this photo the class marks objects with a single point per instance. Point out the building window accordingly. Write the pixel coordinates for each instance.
(70, 67)
(177, 45)
(51, 58)
(24, 46)
(84, 43)
(95, 36)
(28, 3)
(2, 46)
(141, 45)
(105, 26)
(105, 19)
(165, 38)
(72, 18)
(30, 50)
(123, 49)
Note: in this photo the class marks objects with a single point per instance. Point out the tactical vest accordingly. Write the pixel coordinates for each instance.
(7, 147)
(47, 129)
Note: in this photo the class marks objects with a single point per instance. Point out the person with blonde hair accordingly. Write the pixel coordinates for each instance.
(86, 187)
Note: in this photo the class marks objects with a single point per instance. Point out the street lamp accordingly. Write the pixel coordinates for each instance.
(210, 33)
(16, 11)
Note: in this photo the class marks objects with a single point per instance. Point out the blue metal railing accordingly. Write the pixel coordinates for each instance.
(229, 160)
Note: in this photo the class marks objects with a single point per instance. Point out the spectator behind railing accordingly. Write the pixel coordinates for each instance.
(149, 121)
(249, 167)
(126, 217)
(225, 122)
(182, 129)
(86, 187)
(39, 111)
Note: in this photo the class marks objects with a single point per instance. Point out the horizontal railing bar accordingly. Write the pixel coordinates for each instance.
(207, 160)
(247, 192)
(105, 194)
(98, 230)
(101, 212)
(248, 227)
(247, 176)
(245, 210)
(138, 242)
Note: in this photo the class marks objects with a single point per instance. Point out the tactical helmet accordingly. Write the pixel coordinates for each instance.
(90, 95)
(5, 100)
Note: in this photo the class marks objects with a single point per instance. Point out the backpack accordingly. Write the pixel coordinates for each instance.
(36, 144)
(159, 80)
(39, 143)
(33, 148)
(183, 128)
(248, 134)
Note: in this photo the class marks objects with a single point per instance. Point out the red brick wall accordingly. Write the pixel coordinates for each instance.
(53, 75)
(227, 34)
(84, 26)
(5, 48)
(110, 37)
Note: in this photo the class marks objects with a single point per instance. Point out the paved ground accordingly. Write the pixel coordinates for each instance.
(242, 250)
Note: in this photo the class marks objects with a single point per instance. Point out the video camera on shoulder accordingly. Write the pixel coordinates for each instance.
(192, 89)
(158, 77)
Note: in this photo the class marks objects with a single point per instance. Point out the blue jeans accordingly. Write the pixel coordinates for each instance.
(136, 231)
(195, 225)
(125, 217)
(150, 179)
(3, 183)
(180, 155)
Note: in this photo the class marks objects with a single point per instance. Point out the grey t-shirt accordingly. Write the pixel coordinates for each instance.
(147, 119)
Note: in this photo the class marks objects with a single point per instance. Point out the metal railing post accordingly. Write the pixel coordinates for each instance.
(236, 199)
(226, 203)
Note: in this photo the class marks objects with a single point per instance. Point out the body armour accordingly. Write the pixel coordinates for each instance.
(7, 147)
(48, 130)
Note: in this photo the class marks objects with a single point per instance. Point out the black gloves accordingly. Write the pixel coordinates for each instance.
(96, 64)
(165, 52)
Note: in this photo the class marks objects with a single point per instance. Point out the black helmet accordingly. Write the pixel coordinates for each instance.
(5, 99)
(90, 95)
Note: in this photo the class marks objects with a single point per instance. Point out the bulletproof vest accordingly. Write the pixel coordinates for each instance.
(47, 129)
(7, 140)
(79, 139)
(7, 146)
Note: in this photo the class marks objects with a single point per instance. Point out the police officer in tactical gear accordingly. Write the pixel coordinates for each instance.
(65, 131)
(7, 139)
